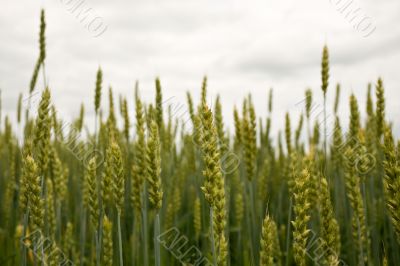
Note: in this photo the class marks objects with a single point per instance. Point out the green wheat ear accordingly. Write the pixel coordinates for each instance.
(298, 131)
(288, 134)
(136, 188)
(330, 231)
(50, 215)
(97, 94)
(197, 217)
(118, 180)
(107, 180)
(154, 167)
(325, 69)
(42, 133)
(33, 195)
(42, 37)
(214, 184)
(238, 129)
(337, 98)
(159, 103)
(308, 103)
(111, 121)
(392, 181)
(249, 135)
(59, 174)
(139, 167)
(270, 95)
(80, 120)
(337, 156)
(125, 114)
(269, 242)
(316, 134)
(42, 51)
(380, 108)
(302, 198)
(69, 242)
(19, 108)
(358, 219)
(107, 242)
(219, 123)
(34, 76)
(354, 127)
(204, 90)
(91, 193)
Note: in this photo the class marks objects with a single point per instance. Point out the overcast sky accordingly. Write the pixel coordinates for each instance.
(242, 46)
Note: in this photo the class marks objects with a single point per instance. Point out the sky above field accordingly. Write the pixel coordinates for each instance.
(242, 46)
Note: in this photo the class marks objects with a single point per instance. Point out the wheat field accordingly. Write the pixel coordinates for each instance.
(160, 190)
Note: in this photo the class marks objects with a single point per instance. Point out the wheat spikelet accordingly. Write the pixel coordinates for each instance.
(33, 195)
(126, 118)
(325, 70)
(359, 230)
(270, 95)
(392, 181)
(97, 94)
(219, 124)
(288, 134)
(302, 198)
(298, 131)
(42, 37)
(158, 107)
(197, 217)
(51, 214)
(330, 229)
(111, 120)
(204, 91)
(107, 242)
(69, 242)
(316, 134)
(380, 108)
(59, 174)
(107, 180)
(269, 242)
(214, 188)
(337, 98)
(308, 103)
(238, 129)
(249, 139)
(42, 52)
(53, 256)
(136, 188)
(19, 108)
(354, 127)
(118, 180)
(42, 134)
(91, 193)
(154, 167)
(337, 156)
(34, 76)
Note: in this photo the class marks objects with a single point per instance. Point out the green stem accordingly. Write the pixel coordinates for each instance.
(99, 240)
(144, 224)
(288, 233)
(156, 244)
(212, 237)
(254, 219)
(248, 223)
(26, 216)
(83, 235)
(121, 259)
(44, 75)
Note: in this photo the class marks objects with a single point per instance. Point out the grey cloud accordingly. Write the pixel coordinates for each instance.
(242, 47)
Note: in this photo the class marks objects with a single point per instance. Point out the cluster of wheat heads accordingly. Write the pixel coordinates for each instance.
(154, 192)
